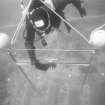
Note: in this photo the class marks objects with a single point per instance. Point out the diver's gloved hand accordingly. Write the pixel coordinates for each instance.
(45, 67)
(52, 65)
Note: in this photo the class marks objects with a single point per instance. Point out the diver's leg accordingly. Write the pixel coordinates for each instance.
(80, 7)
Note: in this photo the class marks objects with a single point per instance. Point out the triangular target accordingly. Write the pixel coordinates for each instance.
(61, 48)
